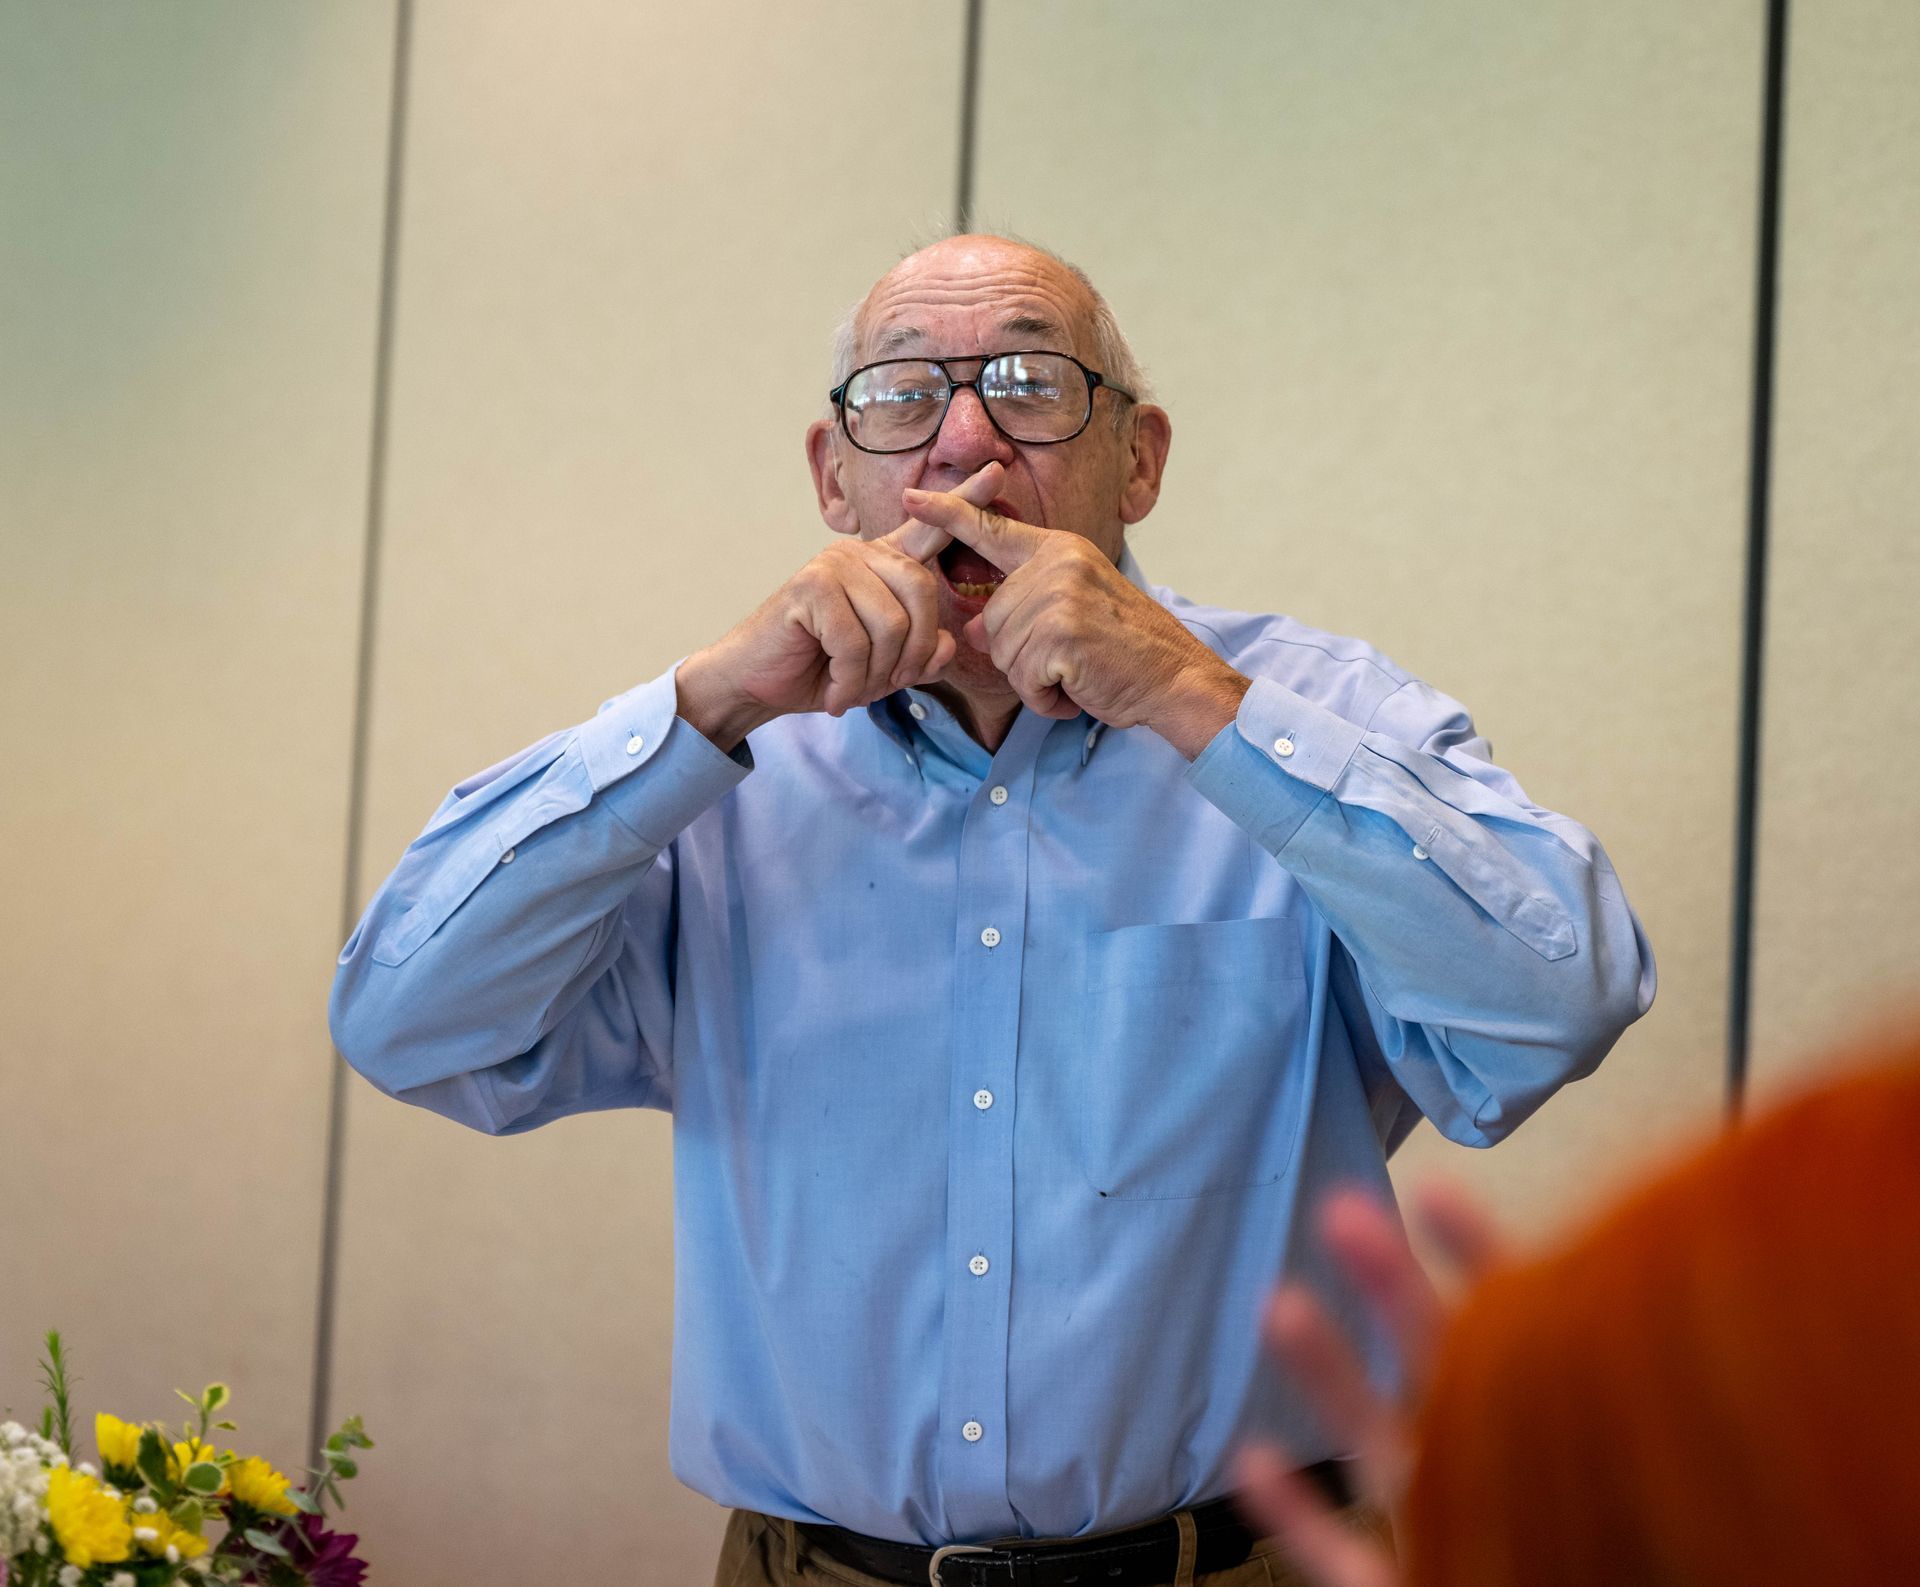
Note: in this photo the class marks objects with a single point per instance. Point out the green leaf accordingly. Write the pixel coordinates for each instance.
(215, 1397)
(352, 1435)
(300, 1499)
(189, 1513)
(152, 1459)
(54, 1377)
(266, 1545)
(188, 1398)
(232, 1427)
(345, 1467)
(203, 1476)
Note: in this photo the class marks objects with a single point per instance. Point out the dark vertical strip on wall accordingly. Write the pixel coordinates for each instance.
(969, 100)
(321, 1412)
(1759, 482)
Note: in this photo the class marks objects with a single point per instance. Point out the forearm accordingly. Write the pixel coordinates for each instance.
(708, 699)
(1198, 704)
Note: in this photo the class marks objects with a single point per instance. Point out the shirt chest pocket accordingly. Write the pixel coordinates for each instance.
(1193, 1066)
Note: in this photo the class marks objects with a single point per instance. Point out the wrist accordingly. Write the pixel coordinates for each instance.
(1201, 701)
(706, 701)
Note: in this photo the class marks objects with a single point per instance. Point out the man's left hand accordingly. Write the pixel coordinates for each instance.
(1071, 632)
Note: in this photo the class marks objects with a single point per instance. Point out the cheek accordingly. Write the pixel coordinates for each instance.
(875, 494)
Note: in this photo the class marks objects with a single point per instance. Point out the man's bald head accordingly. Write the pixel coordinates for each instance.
(1061, 291)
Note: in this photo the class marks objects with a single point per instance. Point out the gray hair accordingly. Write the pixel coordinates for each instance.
(1111, 350)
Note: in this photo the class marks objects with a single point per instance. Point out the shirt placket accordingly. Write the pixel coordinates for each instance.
(990, 932)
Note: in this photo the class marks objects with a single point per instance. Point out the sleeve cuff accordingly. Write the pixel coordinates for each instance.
(1304, 740)
(1274, 729)
(686, 772)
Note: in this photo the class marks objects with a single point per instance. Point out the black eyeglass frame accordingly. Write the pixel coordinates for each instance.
(1095, 382)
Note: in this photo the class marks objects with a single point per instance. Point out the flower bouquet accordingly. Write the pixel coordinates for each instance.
(159, 1509)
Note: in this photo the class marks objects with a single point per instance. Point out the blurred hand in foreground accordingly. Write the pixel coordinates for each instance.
(1369, 1247)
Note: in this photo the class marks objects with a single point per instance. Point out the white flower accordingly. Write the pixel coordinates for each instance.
(173, 1554)
(22, 1487)
(70, 1575)
(145, 1504)
(120, 1578)
(88, 1469)
(146, 1534)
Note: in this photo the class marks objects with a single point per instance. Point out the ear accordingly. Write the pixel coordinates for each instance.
(1152, 434)
(823, 457)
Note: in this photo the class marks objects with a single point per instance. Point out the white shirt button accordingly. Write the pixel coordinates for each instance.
(1418, 852)
(916, 710)
(977, 1266)
(990, 937)
(507, 857)
(1283, 747)
(973, 1432)
(636, 744)
(983, 1099)
(997, 794)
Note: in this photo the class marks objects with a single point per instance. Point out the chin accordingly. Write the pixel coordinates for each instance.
(974, 671)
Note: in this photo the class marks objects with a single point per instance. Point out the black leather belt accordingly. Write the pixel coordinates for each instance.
(1137, 1557)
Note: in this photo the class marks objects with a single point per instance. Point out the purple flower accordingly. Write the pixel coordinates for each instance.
(325, 1558)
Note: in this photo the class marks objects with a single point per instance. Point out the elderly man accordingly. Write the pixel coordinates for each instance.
(1054, 944)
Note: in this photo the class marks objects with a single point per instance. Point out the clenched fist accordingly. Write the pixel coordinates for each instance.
(1070, 632)
(859, 621)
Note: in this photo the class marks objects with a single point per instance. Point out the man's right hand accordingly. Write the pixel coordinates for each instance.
(859, 621)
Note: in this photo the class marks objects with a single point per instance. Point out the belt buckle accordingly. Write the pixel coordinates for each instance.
(940, 1554)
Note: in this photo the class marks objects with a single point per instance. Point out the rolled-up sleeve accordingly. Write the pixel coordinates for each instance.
(1496, 955)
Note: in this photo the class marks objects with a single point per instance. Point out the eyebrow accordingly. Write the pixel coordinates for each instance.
(902, 336)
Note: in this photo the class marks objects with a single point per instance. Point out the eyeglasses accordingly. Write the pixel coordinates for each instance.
(1037, 398)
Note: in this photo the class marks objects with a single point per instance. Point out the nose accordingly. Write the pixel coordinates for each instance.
(967, 440)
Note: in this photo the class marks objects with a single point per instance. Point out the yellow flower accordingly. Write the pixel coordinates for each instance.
(185, 1455)
(256, 1483)
(190, 1544)
(119, 1441)
(90, 1527)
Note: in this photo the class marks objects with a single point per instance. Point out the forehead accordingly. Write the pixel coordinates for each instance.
(957, 298)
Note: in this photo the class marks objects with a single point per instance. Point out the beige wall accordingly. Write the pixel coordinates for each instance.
(1837, 919)
(190, 205)
(1452, 307)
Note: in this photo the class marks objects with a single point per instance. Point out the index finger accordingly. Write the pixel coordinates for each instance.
(1005, 542)
(923, 541)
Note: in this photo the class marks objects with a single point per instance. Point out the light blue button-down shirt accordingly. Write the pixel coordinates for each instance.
(1002, 1085)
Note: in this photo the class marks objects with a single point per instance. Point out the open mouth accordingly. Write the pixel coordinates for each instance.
(970, 576)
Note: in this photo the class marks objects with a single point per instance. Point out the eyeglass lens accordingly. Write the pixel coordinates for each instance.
(898, 405)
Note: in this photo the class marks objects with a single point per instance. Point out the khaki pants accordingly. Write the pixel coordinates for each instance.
(764, 1551)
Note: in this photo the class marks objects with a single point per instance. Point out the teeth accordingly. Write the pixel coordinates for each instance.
(976, 591)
